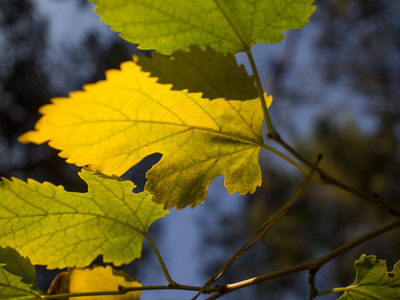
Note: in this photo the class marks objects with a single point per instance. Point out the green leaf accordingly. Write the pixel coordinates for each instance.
(98, 279)
(226, 25)
(64, 229)
(114, 124)
(17, 276)
(17, 265)
(214, 74)
(373, 281)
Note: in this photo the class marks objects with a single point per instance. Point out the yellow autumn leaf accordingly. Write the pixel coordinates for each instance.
(99, 279)
(113, 124)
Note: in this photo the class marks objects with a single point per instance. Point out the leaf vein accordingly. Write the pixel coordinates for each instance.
(192, 25)
(271, 24)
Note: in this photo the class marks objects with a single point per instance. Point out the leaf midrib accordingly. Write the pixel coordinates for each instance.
(189, 127)
(75, 211)
(110, 219)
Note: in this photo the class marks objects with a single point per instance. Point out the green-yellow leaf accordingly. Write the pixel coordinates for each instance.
(214, 74)
(17, 276)
(64, 229)
(226, 25)
(114, 124)
(373, 281)
(98, 279)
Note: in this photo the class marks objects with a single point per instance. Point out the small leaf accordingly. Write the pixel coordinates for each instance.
(373, 281)
(17, 276)
(226, 25)
(98, 279)
(64, 229)
(214, 74)
(114, 124)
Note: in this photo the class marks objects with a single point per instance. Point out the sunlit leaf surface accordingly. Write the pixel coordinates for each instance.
(225, 25)
(64, 229)
(114, 124)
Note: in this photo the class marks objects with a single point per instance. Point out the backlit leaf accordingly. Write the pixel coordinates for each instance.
(373, 281)
(114, 124)
(98, 279)
(226, 25)
(214, 74)
(60, 229)
(17, 276)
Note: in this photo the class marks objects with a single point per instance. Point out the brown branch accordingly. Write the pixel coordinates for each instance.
(314, 265)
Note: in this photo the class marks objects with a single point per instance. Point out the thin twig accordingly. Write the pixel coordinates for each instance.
(272, 132)
(163, 287)
(260, 232)
(328, 179)
(123, 290)
(315, 264)
(311, 281)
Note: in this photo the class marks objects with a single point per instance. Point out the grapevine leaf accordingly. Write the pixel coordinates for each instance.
(17, 276)
(64, 229)
(114, 124)
(214, 74)
(98, 279)
(226, 25)
(373, 281)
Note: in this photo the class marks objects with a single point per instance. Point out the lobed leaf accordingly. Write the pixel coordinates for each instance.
(214, 74)
(373, 281)
(64, 229)
(225, 25)
(17, 276)
(114, 124)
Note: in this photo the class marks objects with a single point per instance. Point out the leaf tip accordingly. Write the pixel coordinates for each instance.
(268, 99)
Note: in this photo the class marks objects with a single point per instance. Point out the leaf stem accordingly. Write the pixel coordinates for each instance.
(123, 290)
(287, 158)
(171, 282)
(85, 294)
(163, 287)
(272, 132)
(335, 290)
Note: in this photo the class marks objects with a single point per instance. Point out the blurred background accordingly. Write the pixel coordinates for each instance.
(336, 91)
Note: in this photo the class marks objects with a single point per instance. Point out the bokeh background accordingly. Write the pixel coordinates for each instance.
(336, 88)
